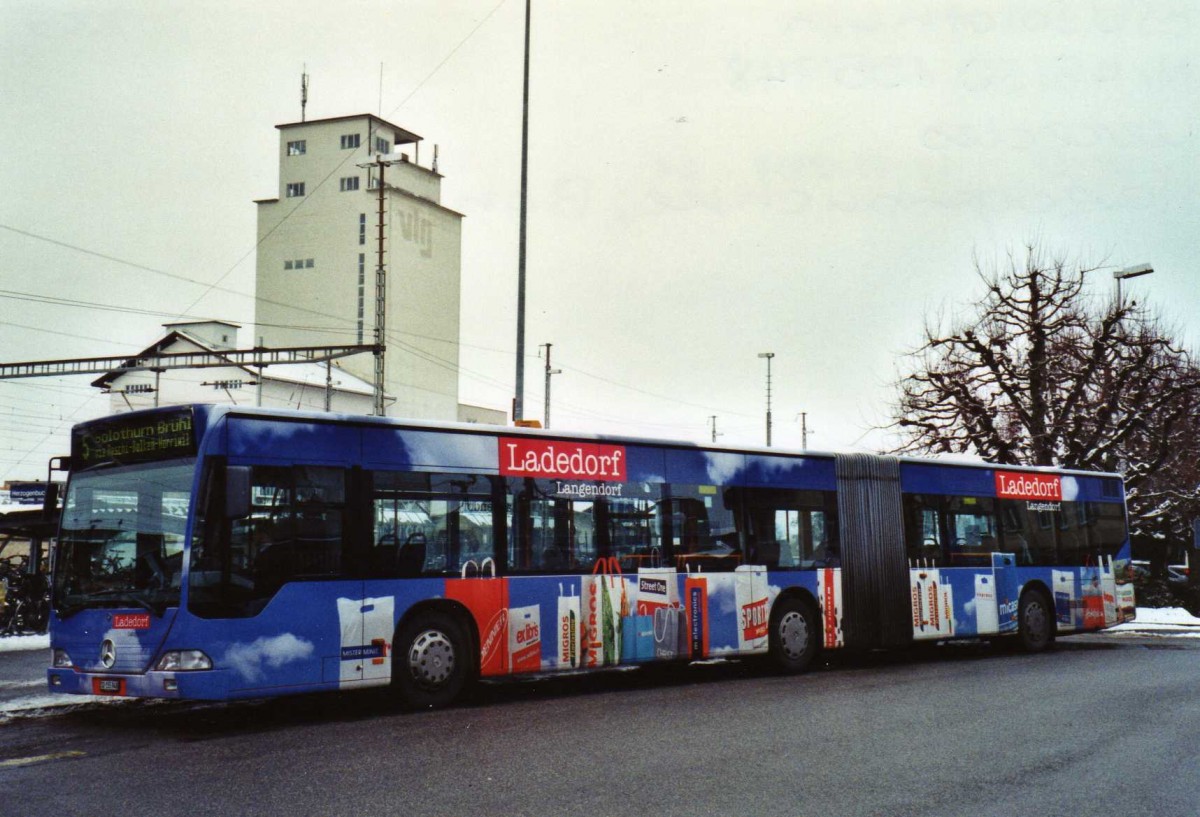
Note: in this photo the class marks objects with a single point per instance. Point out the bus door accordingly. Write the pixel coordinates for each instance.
(275, 574)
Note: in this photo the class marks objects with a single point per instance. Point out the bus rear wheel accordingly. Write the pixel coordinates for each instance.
(430, 665)
(793, 639)
(1035, 621)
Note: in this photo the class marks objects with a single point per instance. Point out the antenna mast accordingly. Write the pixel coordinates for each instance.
(303, 91)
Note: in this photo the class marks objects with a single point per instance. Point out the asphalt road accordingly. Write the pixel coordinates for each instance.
(1103, 724)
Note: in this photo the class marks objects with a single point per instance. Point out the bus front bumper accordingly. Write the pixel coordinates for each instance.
(152, 684)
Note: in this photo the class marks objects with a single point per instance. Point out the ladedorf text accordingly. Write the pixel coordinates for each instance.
(549, 458)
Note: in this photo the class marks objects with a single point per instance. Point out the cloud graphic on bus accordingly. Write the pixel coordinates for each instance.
(459, 451)
(1070, 489)
(249, 660)
(720, 594)
(722, 467)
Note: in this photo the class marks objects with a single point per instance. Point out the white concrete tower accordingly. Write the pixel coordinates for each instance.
(317, 243)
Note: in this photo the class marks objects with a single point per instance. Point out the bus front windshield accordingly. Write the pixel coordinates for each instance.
(121, 542)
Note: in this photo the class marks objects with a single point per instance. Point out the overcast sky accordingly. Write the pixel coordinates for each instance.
(708, 181)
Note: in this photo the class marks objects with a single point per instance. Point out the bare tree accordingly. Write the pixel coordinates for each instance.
(1041, 373)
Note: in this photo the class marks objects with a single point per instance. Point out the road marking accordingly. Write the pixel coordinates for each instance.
(29, 761)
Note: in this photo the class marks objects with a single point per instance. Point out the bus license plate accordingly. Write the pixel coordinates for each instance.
(108, 686)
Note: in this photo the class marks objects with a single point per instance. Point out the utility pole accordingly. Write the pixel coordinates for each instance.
(380, 164)
(328, 385)
(712, 421)
(549, 371)
(262, 371)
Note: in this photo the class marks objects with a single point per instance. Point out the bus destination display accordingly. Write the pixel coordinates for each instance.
(134, 439)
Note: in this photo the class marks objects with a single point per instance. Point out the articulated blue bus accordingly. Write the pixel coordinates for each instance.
(219, 552)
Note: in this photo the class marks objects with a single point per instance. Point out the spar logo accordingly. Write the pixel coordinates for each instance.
(545, 459)
(1035, 487)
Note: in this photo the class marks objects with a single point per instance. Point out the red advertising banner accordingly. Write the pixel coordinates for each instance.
(559, 459)
(131, 621)
(1034, 487)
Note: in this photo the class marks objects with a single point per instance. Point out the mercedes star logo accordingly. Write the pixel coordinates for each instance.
(108, 653)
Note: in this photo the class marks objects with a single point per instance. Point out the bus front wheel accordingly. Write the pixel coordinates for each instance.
(1035, 621)
(793, 641)
(430, 665)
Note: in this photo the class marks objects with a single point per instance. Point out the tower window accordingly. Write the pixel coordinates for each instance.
(349, 183)
(295, 189)
(297, 148)
(351, 140)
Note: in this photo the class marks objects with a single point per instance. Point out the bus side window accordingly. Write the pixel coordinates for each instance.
(549, 533)
(791, 528)
(1106, 534)
(296, 524)
(429, 524)
(923, 528)
(1073, 534)
(705, 527)
(1014, 526)
(631, 530)
(972, 528)
(293, 532)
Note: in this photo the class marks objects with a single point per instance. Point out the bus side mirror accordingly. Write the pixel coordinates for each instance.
(50, 502)
(237, 492)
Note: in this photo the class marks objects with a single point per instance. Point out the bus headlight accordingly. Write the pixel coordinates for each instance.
(59, 659)
(183, 661)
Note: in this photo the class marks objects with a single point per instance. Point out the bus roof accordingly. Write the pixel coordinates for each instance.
(211, 412)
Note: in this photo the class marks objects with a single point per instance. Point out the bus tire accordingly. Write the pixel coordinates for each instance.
(793, 637)
(431, 662)
(1035, 621)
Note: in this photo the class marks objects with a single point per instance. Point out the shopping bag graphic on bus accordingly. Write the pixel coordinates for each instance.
(604, 596)
(932, 603)
(1064, 598)
(569, 631)
(367, 626)
(695, 591)
(487, 600)
(1108, 589)
(750, 598)
(637, 638)
(525, 639)
(829, 590)
(1093, 599)
(657, 588)
(670, 632)
(987, 611)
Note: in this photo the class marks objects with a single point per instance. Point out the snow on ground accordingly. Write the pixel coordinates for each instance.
(1162, 621)
(17, 643)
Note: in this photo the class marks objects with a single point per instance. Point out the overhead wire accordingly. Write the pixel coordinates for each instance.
(345, 327)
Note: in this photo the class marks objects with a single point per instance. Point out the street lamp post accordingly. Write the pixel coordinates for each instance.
(1130, 272)
(518, 407)
(768, 356)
